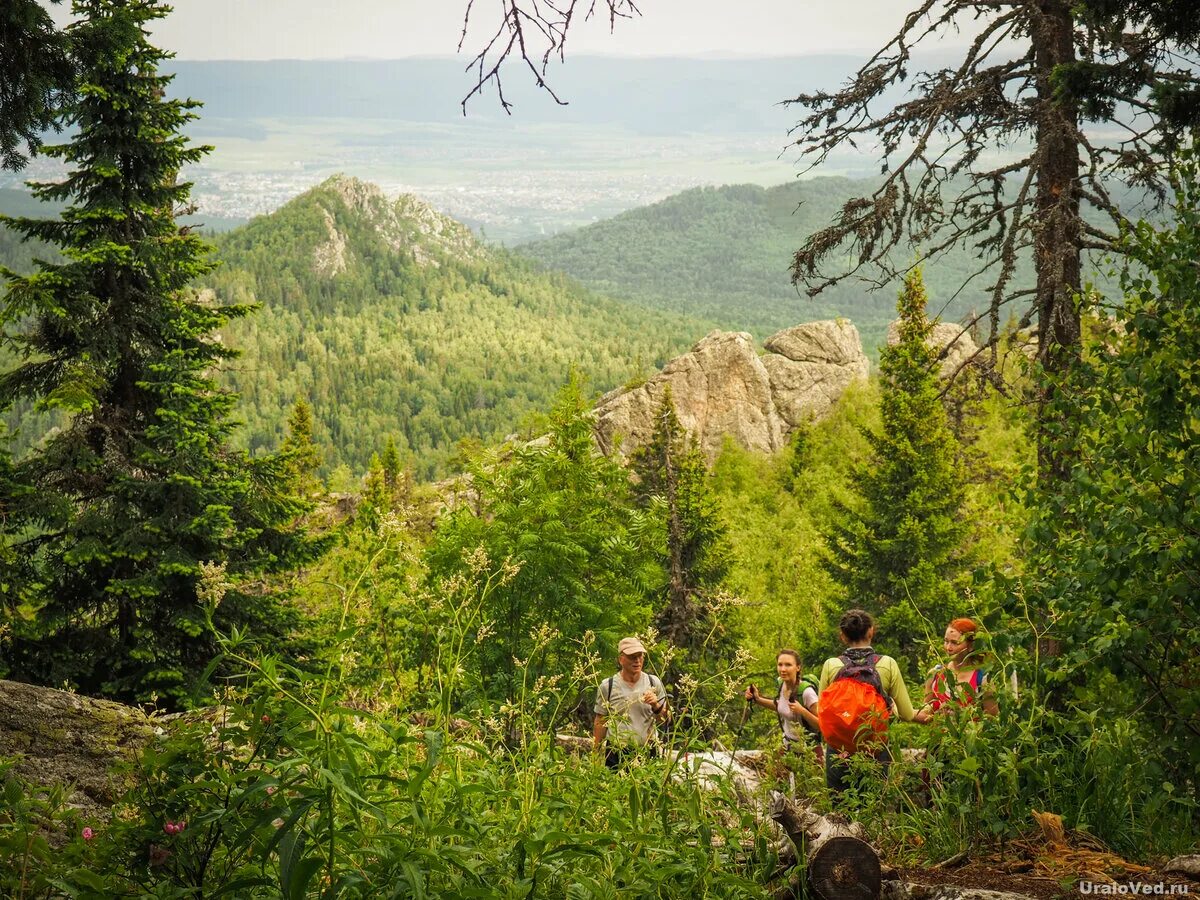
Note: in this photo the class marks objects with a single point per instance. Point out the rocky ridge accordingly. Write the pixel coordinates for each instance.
(723, 386)
(406, 224)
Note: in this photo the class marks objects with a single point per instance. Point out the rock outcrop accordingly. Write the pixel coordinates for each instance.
(60, 737)
(723, 387)
(944, 334)
(720, 388)
(810, 366)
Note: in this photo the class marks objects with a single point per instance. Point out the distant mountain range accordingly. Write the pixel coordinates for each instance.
(724, 254)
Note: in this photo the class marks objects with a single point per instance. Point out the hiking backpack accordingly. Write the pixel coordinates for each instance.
(805, 681)
(854, 707)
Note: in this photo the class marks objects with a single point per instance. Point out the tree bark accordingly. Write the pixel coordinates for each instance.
(840, 864)
(1057, 232)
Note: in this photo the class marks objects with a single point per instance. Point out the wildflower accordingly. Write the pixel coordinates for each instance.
(266, 720)
(174, 827)
(88, 834)
(278, 823)
(271, 789)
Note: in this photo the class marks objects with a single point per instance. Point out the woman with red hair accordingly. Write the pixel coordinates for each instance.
(962, 679)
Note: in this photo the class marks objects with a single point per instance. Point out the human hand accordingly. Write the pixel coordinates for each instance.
(796, 707)
(751, 692)
(650, 698)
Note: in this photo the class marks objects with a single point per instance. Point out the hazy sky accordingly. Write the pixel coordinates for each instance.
(308, 29)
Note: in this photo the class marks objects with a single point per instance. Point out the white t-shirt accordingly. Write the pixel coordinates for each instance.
(629, 720)
(792, 731)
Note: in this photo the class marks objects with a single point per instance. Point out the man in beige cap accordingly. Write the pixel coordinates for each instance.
(628, 706)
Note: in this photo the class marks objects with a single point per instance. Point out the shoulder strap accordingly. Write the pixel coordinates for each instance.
(608, 688)
(656, 683)
(977, 678)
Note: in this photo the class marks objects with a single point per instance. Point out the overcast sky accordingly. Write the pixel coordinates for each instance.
(389, 29)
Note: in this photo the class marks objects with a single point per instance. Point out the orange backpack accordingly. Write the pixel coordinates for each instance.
(854, 708)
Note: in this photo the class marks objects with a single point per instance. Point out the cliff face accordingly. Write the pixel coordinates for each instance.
(723, 386)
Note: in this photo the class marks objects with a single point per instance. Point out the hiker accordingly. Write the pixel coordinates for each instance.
(795, 703)
(628, 707)
(859, 691)
(962, 679)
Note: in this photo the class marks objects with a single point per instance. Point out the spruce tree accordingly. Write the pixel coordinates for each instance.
(141, 487)
(672, 483)
(897, 548)
(303, 457)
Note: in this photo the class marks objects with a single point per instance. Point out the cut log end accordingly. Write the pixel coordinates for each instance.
(845, 868)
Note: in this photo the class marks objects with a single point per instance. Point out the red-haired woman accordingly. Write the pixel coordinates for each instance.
(963, 679)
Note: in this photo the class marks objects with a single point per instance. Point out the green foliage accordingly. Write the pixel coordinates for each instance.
(303, 457)
(414, 333)
(724, 255)
(898, 548)
(139, 490)
(286, 790)
(39, 78)
(560, 516)
(983, 777)
(672, 485)
(1118, 544)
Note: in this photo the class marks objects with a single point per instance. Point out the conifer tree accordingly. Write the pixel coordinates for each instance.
(897, 549)
(563, 515)
(37, 72)
(673, 483)
(391, 466)
(300, 450)
(141, 487)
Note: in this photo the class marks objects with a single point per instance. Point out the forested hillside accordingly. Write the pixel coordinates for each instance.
(724, 254)
(395, 323)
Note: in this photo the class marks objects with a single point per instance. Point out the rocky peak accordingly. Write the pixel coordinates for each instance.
(406, 224)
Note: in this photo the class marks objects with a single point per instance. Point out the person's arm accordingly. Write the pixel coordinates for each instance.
(828, 671)
(658, 705)
(809, 708)
(599, 731)
(893, 683)
(802, 712)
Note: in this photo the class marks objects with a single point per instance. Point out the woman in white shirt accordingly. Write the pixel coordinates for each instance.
(796, 703)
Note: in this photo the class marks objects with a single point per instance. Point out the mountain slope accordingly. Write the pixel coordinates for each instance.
(392, 320)
(724, 254)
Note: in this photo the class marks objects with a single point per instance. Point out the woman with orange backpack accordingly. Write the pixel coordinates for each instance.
(859, 690)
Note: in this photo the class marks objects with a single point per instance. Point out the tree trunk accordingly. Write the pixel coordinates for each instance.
(1057, 232)
(841, 865)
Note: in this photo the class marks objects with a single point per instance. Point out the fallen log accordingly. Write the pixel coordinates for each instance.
(1185, 865)
(839, 862)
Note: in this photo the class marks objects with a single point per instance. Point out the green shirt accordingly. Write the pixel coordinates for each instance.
(889, 674)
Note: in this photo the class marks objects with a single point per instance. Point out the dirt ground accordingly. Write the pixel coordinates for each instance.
(999, 875)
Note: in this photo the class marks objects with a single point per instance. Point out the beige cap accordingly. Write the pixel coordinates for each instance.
(630, 645)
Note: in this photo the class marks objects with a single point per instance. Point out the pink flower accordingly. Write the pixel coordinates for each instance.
(169, 828)
(271, 789)
(88, 834)
(266, 719)
(174, 827)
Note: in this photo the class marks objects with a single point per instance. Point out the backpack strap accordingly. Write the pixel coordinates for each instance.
(608, 684)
